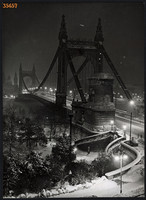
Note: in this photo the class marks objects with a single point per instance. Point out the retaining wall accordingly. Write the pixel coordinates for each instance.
(113, 144)
(136, 155)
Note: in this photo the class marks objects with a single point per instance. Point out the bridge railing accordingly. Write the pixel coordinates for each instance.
(94, 138)
(114, 144)
(136, 160)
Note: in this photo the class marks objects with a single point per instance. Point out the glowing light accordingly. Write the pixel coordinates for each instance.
(75, 149)
(124, 127)
(122, 156)
(111, 122)
(132, 102)
(125, 157)
(117, 158)
(51, 90)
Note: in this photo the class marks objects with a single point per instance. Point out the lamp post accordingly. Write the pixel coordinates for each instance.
(120, 158)
(112, 124)
(130, 125)
(70, 116)
(70, 93)
(132, 104)
(115, 97)
(124, 129)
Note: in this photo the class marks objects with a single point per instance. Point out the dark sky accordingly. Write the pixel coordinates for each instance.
(30, 34)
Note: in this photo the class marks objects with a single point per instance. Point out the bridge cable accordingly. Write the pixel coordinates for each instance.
(79, 70)
(25, 85)
(50, 69)
(80, 89)
(37, 79)
(127, 93)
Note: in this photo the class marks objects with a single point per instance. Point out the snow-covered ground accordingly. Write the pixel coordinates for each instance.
(133, 182)
(100, 187)
(111, 188)
(132, 185)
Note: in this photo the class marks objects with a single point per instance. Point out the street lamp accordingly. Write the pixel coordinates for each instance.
(70, 116)
(51, 90)
(70, 92)
(112, 124)
(115, 96)
(120, 158)
(131, 104)
(124, 128)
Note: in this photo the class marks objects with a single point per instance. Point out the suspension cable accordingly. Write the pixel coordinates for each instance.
(50, 69)
(80, 89)
(79, 70)
(25, 85)
(127, 93)
(37, 79)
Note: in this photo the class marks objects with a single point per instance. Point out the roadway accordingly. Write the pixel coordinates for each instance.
(121, 117)
(137, 129)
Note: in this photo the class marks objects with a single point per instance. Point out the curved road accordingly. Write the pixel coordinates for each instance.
(137, 129)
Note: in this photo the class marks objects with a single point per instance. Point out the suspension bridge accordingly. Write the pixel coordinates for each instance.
(79, 82)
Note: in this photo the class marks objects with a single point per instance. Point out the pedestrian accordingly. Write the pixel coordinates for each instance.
(141, 136)
(88, 150)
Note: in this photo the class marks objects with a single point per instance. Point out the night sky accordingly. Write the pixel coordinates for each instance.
(30, 35)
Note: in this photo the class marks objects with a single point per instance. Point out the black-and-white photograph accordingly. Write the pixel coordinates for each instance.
(73, 99)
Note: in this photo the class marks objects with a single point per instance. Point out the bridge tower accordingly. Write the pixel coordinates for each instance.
(100, 109)
(97, 113)
(23, 74)
(62, 66)
(15, 83)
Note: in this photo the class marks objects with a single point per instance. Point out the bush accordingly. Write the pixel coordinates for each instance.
(61, 152)
(101, 165)
(11, 173)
